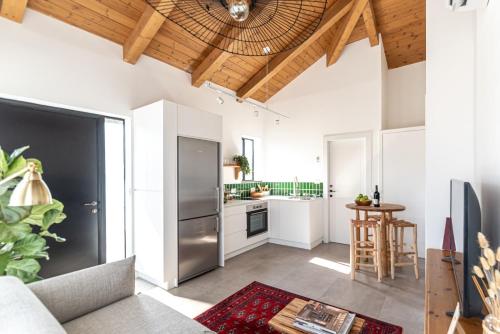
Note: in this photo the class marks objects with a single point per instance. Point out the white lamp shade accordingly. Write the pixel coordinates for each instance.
(32, 190)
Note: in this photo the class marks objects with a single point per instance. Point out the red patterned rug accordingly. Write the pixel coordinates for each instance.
(249, 310)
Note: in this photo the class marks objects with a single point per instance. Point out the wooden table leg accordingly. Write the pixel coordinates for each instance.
(358, 237)
(383, 246)
(365, 230)
(365, 235)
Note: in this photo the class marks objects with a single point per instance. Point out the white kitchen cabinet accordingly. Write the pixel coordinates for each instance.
(274, 219)
(235, 232)
(235, 223)
(156, 129)
(296, 223)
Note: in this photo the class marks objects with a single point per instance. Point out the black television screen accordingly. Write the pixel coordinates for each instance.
(465, 215)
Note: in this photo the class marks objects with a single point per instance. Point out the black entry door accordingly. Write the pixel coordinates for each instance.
(70, 146)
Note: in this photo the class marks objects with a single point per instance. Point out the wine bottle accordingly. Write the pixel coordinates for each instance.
(376, 197)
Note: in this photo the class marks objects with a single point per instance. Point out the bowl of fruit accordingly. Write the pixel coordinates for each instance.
(363, 200)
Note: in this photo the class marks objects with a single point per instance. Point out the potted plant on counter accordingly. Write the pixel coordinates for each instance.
(242, 165)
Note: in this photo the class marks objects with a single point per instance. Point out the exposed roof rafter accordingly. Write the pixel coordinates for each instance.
(333, 15)
(344, 31)
(145, 30)
(13, 9)
(370, 23)
(213, 61)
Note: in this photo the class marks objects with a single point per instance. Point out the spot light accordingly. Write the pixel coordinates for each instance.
(277, 122)
(256, 113)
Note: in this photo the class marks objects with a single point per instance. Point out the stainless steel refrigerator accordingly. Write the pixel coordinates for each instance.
(198, 206)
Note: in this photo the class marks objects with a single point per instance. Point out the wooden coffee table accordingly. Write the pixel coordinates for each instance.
(283, 321)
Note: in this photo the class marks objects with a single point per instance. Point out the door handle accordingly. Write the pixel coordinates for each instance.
(217, 191)
(217, 224)
(93, 203)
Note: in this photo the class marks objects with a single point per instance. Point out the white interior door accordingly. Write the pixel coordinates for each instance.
(347, 178)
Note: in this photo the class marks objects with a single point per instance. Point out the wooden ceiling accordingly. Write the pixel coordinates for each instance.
(133, 24)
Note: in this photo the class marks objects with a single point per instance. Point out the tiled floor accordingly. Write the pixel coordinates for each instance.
(322, 274)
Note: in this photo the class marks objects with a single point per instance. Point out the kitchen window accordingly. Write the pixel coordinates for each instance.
(248, 148)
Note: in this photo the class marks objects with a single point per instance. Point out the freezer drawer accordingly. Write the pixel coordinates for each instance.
(198, 246)
(198, 171)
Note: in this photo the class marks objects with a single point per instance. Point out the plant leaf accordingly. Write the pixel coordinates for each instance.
(52, 235)
(31, 246)
(38, 212)
(52, 217)
(6, 247)
(10, 184)
(11, 214)
(16, 165)
(17, 153)
(4, 260)
(13, 232)
(4, 165)
(25, 269)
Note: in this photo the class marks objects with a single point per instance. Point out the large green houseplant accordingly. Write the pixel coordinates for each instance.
(23, 230)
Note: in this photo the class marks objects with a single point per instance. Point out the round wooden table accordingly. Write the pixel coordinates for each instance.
(386, 210)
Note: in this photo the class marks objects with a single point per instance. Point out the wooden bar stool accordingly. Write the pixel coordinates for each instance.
(397, 246)
(362, 249)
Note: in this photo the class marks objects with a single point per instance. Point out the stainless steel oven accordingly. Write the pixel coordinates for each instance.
(256, 219)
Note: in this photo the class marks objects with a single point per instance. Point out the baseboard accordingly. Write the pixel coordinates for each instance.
(302, 245)
(163, 285)
(317, 243)
(245, 249)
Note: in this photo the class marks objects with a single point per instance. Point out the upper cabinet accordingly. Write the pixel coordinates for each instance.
(199, 124)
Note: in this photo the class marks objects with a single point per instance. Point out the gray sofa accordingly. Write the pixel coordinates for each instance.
(96, 300)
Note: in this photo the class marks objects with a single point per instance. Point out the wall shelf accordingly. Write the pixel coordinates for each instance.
(237, 169)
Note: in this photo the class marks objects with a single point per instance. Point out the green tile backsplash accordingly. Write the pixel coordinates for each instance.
(278, 188)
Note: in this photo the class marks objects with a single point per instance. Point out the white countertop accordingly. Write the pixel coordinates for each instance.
(236, 202)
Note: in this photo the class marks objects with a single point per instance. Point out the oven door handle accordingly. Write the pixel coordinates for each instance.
(256, 212)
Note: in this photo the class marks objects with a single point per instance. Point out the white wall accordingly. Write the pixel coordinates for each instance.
(345, 97)
(449, 108)
(49, 60)
(488, 118)
(405, 105)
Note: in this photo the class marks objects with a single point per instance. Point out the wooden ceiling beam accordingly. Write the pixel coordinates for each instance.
(214, 60)
(344, 31)
(332, 15)
(145, 30)
(209, 66)
(370, 23)
(13, 9)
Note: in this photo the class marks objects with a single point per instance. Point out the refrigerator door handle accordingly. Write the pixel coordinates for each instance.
(217, 225)
(217, 192)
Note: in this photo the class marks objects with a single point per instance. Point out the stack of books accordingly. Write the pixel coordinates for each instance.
(319, 318)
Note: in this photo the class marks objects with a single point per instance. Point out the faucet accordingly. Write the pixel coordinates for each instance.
(295, 187)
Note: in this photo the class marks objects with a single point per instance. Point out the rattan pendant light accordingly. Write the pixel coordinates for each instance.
(246, 27)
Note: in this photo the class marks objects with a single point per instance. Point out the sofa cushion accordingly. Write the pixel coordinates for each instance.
(72, 295)
(21, 312)
(137, 314)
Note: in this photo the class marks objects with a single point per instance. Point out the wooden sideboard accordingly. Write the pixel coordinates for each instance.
(441, 296)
